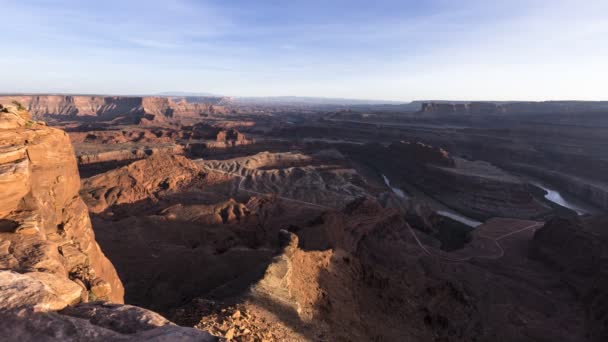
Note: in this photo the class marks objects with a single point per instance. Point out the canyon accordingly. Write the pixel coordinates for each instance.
(136, 109)
(213, 218)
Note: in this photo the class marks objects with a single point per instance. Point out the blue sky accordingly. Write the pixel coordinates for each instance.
(383, 49)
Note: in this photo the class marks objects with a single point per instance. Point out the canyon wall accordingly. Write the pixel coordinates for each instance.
(512, 107)
(46, 228)
(64, 105)
(49, 258)
(99, 108)
(474, 188)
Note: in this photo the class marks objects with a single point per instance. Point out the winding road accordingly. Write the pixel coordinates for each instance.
(444, 255)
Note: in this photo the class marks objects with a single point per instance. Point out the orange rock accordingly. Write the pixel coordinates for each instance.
(230, 334)
(48, 225)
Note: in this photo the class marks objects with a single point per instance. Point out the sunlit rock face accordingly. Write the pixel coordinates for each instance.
(45, 225)
(49, 258)
(132, 109)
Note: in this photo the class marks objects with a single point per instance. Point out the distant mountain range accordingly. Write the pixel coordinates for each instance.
(304, 100)
(184, 93)
(327, 103)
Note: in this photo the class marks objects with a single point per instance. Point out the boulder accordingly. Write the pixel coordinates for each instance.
(95, 322)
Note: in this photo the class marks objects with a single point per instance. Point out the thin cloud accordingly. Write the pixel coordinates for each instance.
(395, 49)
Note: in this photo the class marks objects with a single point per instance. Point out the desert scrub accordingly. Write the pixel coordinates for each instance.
(18, 105)
(92, 296)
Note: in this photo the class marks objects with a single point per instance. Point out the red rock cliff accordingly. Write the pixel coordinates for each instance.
(55, 282)
(45, 232)
(111, 107)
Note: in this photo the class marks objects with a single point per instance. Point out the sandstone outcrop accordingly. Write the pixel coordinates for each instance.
(46, 226)
(165, 216)
(139, 181)
(144, 110)
(50, 262)
(125, 152)
(90, 134)
(309, 244)
(107, 107)
(202, 137)
(489, 108)
(293, 175)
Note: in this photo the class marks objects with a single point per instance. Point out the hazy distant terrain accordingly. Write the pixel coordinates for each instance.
(312, 216)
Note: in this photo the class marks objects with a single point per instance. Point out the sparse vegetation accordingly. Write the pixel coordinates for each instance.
(3, 109)
(92, 296)
(18, 105)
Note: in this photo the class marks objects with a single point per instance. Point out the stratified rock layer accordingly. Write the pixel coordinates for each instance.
(45, 225)
(49, 258)
(97, 108)
(139, 181)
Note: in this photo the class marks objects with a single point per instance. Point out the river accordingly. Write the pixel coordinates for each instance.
(462, 219)
(400, 193)
(446, 213)
(573, 204)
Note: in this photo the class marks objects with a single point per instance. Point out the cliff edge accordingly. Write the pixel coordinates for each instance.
(49, 259)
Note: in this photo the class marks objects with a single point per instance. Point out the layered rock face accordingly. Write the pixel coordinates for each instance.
(474, 188)
(594, 191)
(98, 108)
(139, 181)
(176, 229)
(231, 137)
(327, 183)
(49, 258)
(102, 146)
(129, 153)
(456, 108)
(477, 108)
(463, 108)
(214, 138)
(46, 227)
(482, 190)
(107, 107)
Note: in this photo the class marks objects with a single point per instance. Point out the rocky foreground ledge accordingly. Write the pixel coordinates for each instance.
(55, 282)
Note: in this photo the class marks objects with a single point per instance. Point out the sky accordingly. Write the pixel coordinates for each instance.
(397, 50)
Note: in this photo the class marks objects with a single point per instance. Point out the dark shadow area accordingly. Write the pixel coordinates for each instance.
(88, 127)
(165, 264)
(165, 261)
(452, 234)
(7, 226)
(90, 170)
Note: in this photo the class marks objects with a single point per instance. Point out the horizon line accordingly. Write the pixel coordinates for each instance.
(389, 102)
